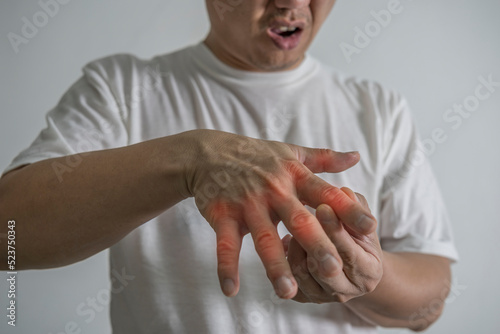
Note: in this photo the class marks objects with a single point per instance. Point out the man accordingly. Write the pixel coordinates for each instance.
(135, 146)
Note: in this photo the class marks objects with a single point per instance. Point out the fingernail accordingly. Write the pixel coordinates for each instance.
(228, 286)
(330, 264)
(284, 286)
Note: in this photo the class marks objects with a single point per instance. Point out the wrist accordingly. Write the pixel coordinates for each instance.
(173, 158)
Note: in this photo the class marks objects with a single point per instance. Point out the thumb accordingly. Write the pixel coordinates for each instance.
(321, 160)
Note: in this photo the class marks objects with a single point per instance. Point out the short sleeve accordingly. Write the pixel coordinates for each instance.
(413, 217)
(87, 118)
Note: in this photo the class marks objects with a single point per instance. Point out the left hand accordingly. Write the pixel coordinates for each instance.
(355, 270)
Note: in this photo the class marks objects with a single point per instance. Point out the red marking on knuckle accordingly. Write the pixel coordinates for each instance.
(340, 202)
(331, 194)
(302, 224)
(217, 210)
(226, 248)
(265, 242)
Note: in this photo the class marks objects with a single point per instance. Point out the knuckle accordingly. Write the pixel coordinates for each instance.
(265, 242)
(226, 247)
(280, 191)
(348, 257)
(370, 286)
(324, 157)
(296, 169)
(302, 223)
(331, 194)
(341, 298)
(226, 255)
(329, 275)
(371, 283)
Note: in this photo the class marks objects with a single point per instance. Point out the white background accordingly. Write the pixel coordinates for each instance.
(433, 52)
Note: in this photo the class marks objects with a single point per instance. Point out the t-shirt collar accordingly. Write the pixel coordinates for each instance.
(204, 57)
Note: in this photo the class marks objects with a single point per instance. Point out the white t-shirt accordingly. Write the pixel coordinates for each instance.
(122, 100)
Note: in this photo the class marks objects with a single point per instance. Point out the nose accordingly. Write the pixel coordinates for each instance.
(292, 4)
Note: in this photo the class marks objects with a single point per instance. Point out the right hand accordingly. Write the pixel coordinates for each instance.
(243, 185)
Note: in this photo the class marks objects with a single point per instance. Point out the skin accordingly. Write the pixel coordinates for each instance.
(238, 37)
(356, 276)
(265, 182)
(386, 289)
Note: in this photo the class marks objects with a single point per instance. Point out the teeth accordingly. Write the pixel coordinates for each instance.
(285, 29)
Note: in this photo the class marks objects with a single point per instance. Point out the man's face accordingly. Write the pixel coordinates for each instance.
(264, 35)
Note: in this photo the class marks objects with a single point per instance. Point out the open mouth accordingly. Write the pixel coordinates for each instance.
(286, 35)
(284, 31)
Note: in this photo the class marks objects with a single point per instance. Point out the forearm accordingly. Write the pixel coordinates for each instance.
(411, 293)
(65, 219)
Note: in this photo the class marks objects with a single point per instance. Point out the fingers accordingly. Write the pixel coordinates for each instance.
(361, 262)
(286, 243)
(315, 191)
(325, 160)
(298, 260)
(229, 241)
(362, 200)
(339, 284)
(301, 297)
(270, 249)
(332, 275)
(357, 273)
(344, 243)
(307, 232)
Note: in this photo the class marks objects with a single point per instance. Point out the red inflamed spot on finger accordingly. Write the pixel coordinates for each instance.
(229, 242)
(303, 224)
(218, 210)
(269, 248)
(349, 210)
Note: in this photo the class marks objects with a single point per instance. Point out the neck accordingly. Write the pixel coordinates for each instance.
(231, 59)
